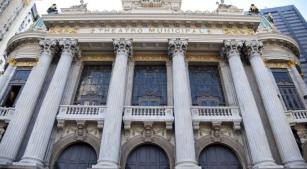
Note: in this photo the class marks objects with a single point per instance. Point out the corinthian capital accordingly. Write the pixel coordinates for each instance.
(69, 46)
(252, 47)
(123, 46)
(177, 45)
(49, 46)
(232, 47)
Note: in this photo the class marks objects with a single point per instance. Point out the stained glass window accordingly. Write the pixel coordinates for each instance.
(206, 88)
(94, 85)
(149, 85)
(287, 89)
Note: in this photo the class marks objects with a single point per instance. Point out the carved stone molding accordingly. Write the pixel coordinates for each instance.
(232, 47)
(253, 46)
(49, 46)
(70, 46)
(123, 46)
(177, 46)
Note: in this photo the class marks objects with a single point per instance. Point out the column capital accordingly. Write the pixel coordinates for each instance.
(232, 47)
(177, 45)
(69, 46)
(123, 45)
(252, 47)
(48, 46)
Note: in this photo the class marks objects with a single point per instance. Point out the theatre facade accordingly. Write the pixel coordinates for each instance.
(153, 87)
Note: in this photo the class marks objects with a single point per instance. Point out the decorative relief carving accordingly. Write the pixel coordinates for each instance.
(150, 58)
(80, 130)
(90, 58)
(69, 46)
(177, 46)
(238, 31)
(204, 58)
(147, 130)
(232, 47)
(12, 61)
(123, 46)
(216, 130)
(65, 30)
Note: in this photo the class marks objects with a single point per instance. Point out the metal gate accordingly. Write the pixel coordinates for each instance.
(147, 157)
(218, 157)
(77, 156)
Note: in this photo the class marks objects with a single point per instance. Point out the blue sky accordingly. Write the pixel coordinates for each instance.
(186, 4)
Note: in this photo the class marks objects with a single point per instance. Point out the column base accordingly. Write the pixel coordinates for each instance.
(105, 165)
(187, 166)
(5, 161)
(268, 165)
(296, 165)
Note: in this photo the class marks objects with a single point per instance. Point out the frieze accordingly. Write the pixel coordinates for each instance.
(89, 58)
(150, 58)
(192, 58)
(152, 29)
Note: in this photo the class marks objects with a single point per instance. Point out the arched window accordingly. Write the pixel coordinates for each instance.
(76, 156)
(147, 157)
(219, 157)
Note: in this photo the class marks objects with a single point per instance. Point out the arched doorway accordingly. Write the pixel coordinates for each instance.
(76, 156)
(147, 156)
(218, 157)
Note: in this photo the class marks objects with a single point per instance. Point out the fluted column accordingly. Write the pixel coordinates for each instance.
(185, 148)
(111, 136)
(26, 103)
(288, 149)
(255, 133)
(299, 79)
(4, 79)
(38, 142)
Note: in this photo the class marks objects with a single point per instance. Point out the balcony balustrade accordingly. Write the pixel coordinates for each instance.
(297, 116)
(6, 114)
(81, 113)
(148, 115)
(216, 116)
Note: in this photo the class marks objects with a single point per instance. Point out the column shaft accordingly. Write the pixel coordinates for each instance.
(282, 132)
(185, 148)
(111, 136)
(4, 79)
(255, 133)
(299, 79)
(38, 142)
(25, 105)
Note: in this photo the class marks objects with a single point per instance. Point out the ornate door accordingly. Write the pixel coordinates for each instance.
(77, 156)
(147, 157)
(218, 157)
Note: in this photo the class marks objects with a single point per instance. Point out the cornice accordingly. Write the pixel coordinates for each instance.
(22, 38)
(99, 18)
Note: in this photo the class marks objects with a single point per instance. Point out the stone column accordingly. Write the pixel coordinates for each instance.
(185, 148)
(5, 78)
(111, 136)
(298, 78)
(37, 145)
(282, 132)
(255, 133)
(26, 103)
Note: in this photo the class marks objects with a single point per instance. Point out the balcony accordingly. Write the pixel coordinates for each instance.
(80, 114)
(216, 116)
(6, 114)
(148, 115)
(297, 116)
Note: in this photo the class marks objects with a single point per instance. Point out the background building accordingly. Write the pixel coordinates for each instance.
(152, 86)
(15, 16)
(289, 21)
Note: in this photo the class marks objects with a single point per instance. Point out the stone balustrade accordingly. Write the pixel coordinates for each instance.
(6, 114)
(148, 115)
(81, 113)
(297, 116)
(216, 115)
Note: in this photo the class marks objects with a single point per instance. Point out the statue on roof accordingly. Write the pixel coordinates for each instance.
(253, 10)
(82, 5)
(222, 5)
(52, 9)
